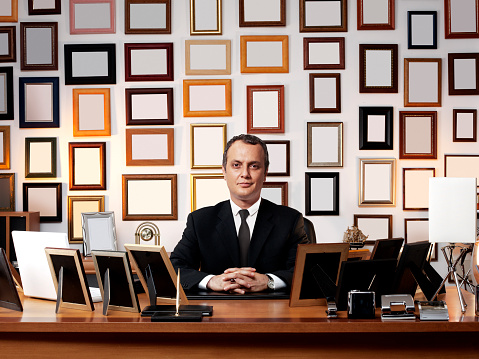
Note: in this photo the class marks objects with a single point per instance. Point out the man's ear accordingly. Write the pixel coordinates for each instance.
(224, 171)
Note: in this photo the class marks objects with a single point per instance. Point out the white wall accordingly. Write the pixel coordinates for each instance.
(296, 82)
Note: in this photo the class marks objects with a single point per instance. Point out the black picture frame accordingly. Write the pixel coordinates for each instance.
(57, 217)
(365, 141)
(311, 193)
(7, 74)
(8, 292)
(52, 173)
(410, 29)
(108, 79)
(57, 9)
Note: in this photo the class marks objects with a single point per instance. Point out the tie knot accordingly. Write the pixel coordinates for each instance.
(243, 214)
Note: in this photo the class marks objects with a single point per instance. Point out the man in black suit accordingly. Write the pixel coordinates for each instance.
(224, 249)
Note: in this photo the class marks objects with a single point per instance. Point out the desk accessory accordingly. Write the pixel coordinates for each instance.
(361, 305)
(8, 292)
(453, 220)
(113, 273)
(354, 237)
(433, 310)
(147, 231)
(402, 300)
(99, 232)
(328, 288)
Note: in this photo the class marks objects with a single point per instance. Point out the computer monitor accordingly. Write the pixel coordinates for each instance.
(388, 248)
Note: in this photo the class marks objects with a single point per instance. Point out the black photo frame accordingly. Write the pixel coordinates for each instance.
(376, 128)
(315, 191)
(8, 291)
(418, 35)
(57, 199)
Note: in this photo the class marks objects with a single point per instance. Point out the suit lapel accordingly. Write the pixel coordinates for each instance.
(262, 229)
(227, 232)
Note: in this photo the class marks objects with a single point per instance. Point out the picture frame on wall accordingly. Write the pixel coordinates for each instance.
(208, 57)
(325, 144)
(325, 93)
(150, 147)
(378, 68)
(416, 188)
(90, 64)
(78, 205)
(7, 192)
(375, 226)
(149, 62)
(464, 126)
(422, 82)
(9, 11)
(207, 98)
(461, 19)
(276, 192)
(323, 53)
(147, 16)
(45, 198)
(149, 106)
(322, 193)
(149, 197)
(207, 143)
(279, 157)
(422, 30)
(4, 147)
(40, 157)
(92, 16)
(418, 135)
(206, 17)
(39, 102)
(6, 93)
(8, 44)
(461, 165)
(376, 128)
(91, 112)
(41, 7)
(262, 13)
(207, 189)
(264, 54)
(39, 46)
(87, 165)
(265, 109)
(376, 15)
(377, 182)
(463, 73)
(323, 16)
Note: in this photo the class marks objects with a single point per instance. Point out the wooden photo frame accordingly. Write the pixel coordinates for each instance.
(415, 184)
(78, 205)
(99, 232)
(150, 147)
(375, 226)
(147, 16)
(207, 189)
(323, 53)
(377, 182)
(9, 13)
(262, 14)
(149, 106)
(461, 19)
(325, 144)
(464, 125)
(40, 7)
(329, 256)
(207, 57)
(276, 192)
(323, 16)
(92, 16)
(151, 197)
(417, 230)
(149, 62)
(325, 93)
(265, 109)
(91, 112)
(376, 128)
(463, 73)
(461, 166)
(69, 278)
(422, 82)
(87, 165)
(422, 30)
(207, 143)
(39, 102)
(418, 135)
(7, 192)
(45, 198)
(264, 54)
(6, 93)
(115, 279)
(4, 147)
(8, 49)
(40, 157)
(378, 68)
(39, 46)
(376, 15)
(90, 64)
(206, 17)
(207, 98)
(322, 193)
(279, 157)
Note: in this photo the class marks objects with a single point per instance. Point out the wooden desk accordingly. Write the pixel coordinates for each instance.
(238, 328)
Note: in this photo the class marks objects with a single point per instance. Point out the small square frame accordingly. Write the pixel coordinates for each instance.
(325, 98)
(454, 15)
(44, 103)
(88, 115)
(383, 231)
(5, 147)
(325, 144)
(207, 57)
(150, 147)
(463, 131)
(99, 232)
(269, 102)
(207, 143)
(368, 18)
(377, 182)
(7, 192)
(207, 189)
(415, 183)
(55, 10)
(6, 91)
(39, 51)
(279, 157)
(211, 24)
(14, 13)
(78, 205)
(87, 165)
(45, 151)
(10, 51)
(105, 26)
(140, 58)
(306, 14)
(155, 24)
(461, 166)
(463, 73)
(248, 8)
(321, 186)
(261, 54)
(50, 204)
(141, 202)
(219, 99)
(378, 68)
(422, 82)
(270, 189)
(323, 53)
(422, 30)
(414, 128)
(376, 128)
(149, 106)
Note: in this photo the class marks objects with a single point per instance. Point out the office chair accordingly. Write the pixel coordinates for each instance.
(309, 229)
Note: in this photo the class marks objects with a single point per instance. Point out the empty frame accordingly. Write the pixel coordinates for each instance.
(39, 46)
(39, 102)
(205, 17)
(150, 147)
(45, 198)
(377, 182)
(92, 16)
(325, 144)
(375, 128)
(40, 157)
(322, 53)
(265, 109)
(422, 29)
(78, 205)
(9, 11)
(4, 147)
(464, 128)
(6, 92)
(8, 44)
(207, 190)
(149, 106)
(463, 73)
(461, 166)
(378, 68)
(461, 19)
(207, 57)
(205, 98)
(323, 15)
(264, 54)
(416, 188)
(207, 143)
(148, 17)
(42, 7)
(7, 192)
(87, 165)
(417, 134)
(324, 93)
(422, 82)
(149, 62)
(276, 192)
(262, 13)
(376, 14)
(279, 158)
(322, 193)
(375, 226)
(91, 112)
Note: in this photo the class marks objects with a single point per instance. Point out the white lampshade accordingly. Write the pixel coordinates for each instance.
(452, 210)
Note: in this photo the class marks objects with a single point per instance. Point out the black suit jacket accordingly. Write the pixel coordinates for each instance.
(209, 244)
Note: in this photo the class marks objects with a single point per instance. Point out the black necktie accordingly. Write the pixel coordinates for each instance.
(243, 237)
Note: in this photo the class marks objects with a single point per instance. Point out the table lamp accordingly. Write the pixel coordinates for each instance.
(452, 219)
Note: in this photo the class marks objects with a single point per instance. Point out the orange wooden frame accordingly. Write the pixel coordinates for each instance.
(264, 69)
(14, 16)
(106, 115)
(187, 112)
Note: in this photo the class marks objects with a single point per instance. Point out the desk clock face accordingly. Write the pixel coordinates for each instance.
(146, 234)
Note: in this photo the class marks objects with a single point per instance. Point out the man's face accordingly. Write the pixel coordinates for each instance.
(244, 173)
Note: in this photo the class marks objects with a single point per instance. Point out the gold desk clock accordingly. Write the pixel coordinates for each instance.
(147, 231)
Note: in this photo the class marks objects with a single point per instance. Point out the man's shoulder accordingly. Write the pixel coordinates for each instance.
(278, 208)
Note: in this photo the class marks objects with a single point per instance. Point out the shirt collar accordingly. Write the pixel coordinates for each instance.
(252, 210)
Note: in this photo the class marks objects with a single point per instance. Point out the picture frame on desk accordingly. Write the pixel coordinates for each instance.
(78, 205)
(39, 46)
(99, 232)
(207, 189)
(265, 109)
(416, 230)
(464, 125)
(378, 68)
(325, 93)
(323, 53)
(147, 16)
(207, 142)
(45, 198)
(10, 13)
(276, 192)
(208, 57)
(418, 135)
(91, 112)
(375, 226)
(40, 157)
(4, 147)
(422, 82)
(7, 192)
(279, 157)
(463, 73)
(325, 144)
(9, 297)
(461, 19)
(6, 92)
(40, 7)
(416, 188)
(149, 61)
(323, 16)
(150, 147)
(87, 165)
(322, 193)
(149, 106)
(264, 54)
(259, 14)
(377, 182)
(376, 15)
(206, 17)
(92, 17)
